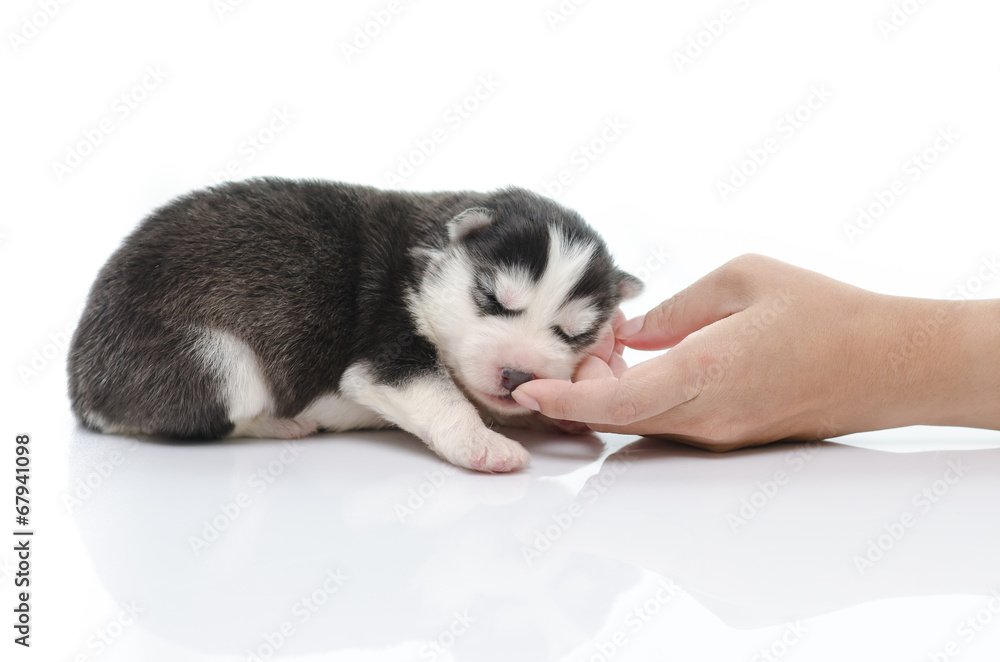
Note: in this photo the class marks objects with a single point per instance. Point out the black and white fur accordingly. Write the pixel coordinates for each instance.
(277, 308)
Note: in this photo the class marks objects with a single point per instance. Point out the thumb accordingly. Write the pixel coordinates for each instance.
(587, 401)
(641, 391)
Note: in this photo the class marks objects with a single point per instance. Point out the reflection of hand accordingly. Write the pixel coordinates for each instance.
(763, 351)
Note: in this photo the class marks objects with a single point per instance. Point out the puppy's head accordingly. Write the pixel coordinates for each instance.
(520, 292)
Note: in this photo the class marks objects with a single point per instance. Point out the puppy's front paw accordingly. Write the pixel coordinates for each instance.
(483, 450)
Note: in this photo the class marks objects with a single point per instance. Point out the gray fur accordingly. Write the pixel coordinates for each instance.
(311, 275)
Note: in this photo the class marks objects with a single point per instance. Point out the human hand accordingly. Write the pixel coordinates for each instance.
(764, 351)
(606, 352)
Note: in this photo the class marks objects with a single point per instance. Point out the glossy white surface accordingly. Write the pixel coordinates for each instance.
(365, 546)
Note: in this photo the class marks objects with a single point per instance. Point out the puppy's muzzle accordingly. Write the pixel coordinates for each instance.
(510, 378)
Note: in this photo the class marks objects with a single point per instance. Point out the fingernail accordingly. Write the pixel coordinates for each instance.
(631, 327)
(525, 400)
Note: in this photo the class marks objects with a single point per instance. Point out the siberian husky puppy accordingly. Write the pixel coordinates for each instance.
(276, 308)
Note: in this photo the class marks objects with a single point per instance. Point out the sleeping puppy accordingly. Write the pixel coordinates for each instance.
(276, 308)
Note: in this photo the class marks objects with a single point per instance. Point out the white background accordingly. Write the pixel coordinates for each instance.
(81, 165)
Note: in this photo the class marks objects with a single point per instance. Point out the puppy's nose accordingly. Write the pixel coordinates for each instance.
(510, 379)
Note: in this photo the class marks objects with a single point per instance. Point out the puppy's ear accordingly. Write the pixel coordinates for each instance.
(628, 285)
(468, 222)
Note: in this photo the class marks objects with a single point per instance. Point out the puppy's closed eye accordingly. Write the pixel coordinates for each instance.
(575, 339)
(489, 303)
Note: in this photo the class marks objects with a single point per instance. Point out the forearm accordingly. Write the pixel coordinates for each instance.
(939, 363)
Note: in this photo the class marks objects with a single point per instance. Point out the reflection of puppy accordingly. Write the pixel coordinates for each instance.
(275, 308)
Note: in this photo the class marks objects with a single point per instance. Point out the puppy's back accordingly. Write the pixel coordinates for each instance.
(294, 274)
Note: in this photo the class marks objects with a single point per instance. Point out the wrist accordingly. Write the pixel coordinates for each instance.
(940, 363)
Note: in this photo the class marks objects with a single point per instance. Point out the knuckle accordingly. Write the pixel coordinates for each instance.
(558, 409)
(744, 269)
(723, 433)
(748, 261)
(742, 277)
(661, 318)
(622, 406)
(666, 311)
(722, 446)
